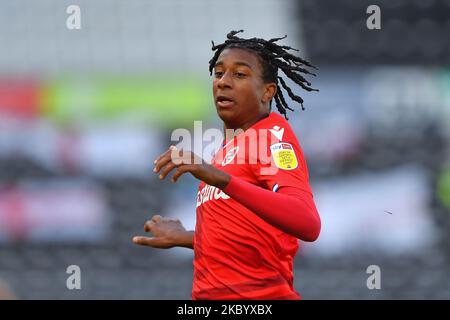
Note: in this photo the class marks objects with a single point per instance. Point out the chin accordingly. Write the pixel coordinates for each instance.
(228, 116)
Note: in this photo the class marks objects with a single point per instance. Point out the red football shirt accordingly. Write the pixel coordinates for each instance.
(238, 255)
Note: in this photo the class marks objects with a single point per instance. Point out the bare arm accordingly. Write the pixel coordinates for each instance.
(167, 233)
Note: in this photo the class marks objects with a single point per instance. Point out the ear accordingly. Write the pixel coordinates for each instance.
(270, 89)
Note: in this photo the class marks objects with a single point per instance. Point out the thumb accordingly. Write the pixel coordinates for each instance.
(146, 241)
(154, 242)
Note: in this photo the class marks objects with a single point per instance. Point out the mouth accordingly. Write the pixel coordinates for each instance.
(224, 101)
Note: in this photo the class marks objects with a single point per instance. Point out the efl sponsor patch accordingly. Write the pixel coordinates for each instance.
(284, 155)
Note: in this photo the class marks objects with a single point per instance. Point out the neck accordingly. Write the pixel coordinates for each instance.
(243, 127)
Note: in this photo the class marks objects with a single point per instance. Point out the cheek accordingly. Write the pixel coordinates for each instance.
(251, 101)
(254, 93)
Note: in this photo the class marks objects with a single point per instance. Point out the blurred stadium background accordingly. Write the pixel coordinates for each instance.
(84, 112)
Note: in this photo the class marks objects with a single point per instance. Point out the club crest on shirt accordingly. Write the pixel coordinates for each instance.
(284, 156)
(230, 156)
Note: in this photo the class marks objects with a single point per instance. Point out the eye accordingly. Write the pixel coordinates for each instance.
(218, 74)
(240, 74)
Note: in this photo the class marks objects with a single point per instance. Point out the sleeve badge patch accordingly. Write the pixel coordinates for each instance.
(284, 156)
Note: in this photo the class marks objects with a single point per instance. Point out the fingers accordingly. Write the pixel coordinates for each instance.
(168, 151)
(174, 156)
(163, 159)
(180, 156)
(157, 218)
(180, 171)
(167, 170)
(148, 226)
(161, 163)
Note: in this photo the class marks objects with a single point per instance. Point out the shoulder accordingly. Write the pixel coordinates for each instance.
(280, 156)
(275, 128)
(275, 140)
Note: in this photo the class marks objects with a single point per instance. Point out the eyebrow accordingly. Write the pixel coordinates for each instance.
(239, 63)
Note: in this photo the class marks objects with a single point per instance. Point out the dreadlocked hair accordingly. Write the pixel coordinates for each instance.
(272, 57)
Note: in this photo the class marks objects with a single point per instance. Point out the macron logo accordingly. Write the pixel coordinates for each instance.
(277, 132)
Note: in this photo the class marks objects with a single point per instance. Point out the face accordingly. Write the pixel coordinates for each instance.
(240, 94)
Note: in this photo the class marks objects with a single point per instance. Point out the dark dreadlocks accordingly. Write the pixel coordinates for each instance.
(272, 57)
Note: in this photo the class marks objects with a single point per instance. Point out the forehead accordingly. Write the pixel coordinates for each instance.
(238, 56)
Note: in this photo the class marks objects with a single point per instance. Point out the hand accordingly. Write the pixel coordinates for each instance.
(167, 233)
(187, 161)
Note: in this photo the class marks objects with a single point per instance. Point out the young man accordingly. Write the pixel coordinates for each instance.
(252, 206)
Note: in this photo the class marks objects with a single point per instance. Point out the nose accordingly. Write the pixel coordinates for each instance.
(225, 81)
